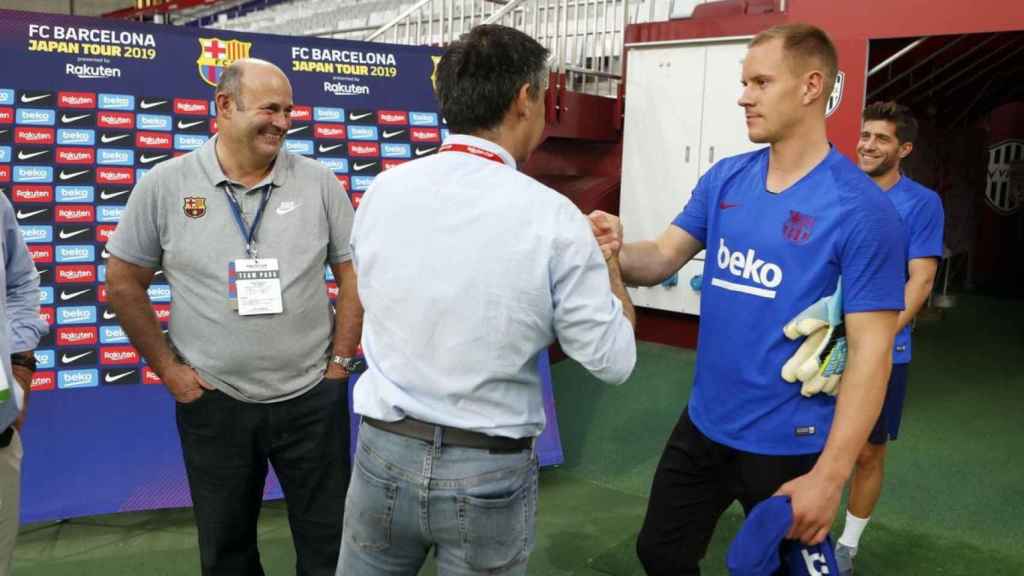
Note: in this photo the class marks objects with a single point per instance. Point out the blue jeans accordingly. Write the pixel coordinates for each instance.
(475, 508)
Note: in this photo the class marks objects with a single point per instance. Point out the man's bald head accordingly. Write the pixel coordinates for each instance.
(234, 77)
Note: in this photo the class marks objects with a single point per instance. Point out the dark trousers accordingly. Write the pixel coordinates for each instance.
(227, 444)
(696, 481)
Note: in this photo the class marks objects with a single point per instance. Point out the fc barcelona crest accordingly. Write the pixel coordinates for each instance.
(217, 54)
(798, 227)
(195, 206)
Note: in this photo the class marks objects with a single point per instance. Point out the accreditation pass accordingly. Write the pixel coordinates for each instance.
(258, 286)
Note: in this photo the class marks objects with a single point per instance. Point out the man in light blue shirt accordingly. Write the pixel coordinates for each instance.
(19, 305)
(467, 269)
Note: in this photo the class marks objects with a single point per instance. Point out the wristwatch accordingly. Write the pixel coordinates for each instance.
(25, 360)
(351, 364)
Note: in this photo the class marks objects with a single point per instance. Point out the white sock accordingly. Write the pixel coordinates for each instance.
(852, 530)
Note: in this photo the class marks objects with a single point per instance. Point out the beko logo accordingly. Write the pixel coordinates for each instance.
(747, 266)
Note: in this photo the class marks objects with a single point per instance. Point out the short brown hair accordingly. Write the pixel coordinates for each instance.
(900, 116)
(808, 44)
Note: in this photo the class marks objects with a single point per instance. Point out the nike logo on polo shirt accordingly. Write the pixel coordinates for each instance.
(104, 195)
(65, 235)
(114, 378)
(68, 359)
(27, 99)
(726, 205)
(108, 139)
(66, 119)
(69, 295)
(147, 105)
(287, 207)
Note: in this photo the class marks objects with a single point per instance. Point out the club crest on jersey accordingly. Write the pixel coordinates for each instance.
(798, 227)
(195, 206)
(216, 55)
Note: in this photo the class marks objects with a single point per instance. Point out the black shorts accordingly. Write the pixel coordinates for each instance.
(888, 425)
(696, 481)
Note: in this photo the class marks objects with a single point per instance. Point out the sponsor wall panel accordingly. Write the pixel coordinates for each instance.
(87, 106)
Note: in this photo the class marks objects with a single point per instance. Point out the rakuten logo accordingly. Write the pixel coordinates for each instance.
(747, 266)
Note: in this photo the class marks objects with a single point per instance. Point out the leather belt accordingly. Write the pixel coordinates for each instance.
(412, 428)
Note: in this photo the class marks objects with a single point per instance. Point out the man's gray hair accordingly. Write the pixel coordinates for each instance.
(231, 83)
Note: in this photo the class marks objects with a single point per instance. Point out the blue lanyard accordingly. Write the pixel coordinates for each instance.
(249, 235)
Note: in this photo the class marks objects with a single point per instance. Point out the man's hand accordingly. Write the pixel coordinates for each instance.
(608, 232)
(335, 372)
(184, 383)
(24, 377)
(815, 499)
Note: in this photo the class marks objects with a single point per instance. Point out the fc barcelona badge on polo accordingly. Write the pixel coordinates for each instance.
(195, 206)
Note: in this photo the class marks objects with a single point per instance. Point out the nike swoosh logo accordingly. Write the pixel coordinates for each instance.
(23, 156)
(427, 151)
(108, 139)
(22, 215)
(727, 205)
(68, 296)
(65, 118)
(112, 378)
(66, 176)
(282, 210)
(64, 235)
(296, 129)
(329, 148)
(26, 99)
(104, 254)
(108, 195)
(187, 125)
(359, 116)
(357, 166)
(150, 159)
(390, 134)
(109, 315)
(147, 105)
(68, 359)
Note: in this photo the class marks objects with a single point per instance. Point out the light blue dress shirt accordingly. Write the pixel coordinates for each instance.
(467, 270)
(19, 305)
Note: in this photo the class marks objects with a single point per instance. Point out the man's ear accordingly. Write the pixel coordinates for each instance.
(222, 101)
(905, 149)
(523, 101)
(814, 86)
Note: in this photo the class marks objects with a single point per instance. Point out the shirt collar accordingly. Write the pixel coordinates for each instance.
(468, 140)
(208, 161)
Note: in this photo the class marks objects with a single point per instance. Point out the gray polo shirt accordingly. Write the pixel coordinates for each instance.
(179, 219)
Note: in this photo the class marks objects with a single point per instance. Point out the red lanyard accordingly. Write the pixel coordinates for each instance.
(475, 151)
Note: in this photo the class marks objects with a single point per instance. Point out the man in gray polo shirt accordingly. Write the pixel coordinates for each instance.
(242, 231)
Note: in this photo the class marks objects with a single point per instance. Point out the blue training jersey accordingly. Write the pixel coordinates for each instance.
(769, 256)
(920, 210)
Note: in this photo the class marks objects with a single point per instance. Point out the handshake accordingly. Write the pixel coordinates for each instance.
(607, 230)
(820, 360)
